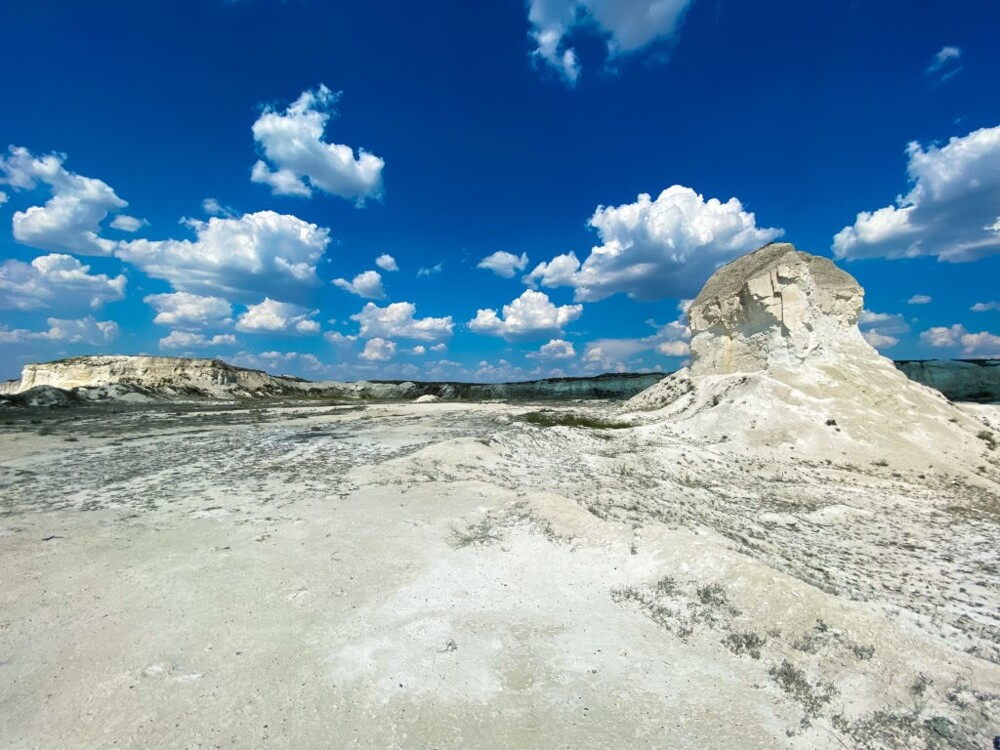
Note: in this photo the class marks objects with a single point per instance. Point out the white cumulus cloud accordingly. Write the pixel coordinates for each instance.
(188, 340)
(985, 306)
(530, 316)
(378, 350)
(952, 210)
(301, 161)
(367, 284)
(397, 321)
(671, 340)
(189, 311)
(259, 253)
(337, 338)
(667, 247)
(271, 316)
(627, 25)
(982, 344)
(125, 223)
(555, 349)
(86, 330)
(919, 299)
(504, 264)
(882, 330)
(56, 281)
(386, 262)
(70, 220)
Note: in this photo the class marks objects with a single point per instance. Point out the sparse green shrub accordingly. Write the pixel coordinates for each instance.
(666, 586)
(477, 533)
(864, 653)
(712, 595)
(989, 438)
(745, 642)
(569, 419)
(793, 681)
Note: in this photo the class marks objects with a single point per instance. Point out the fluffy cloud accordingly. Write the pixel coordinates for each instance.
(367, 284)
(260, 253)
(125, 223)
(530, 316)
(397, 321)
(300, 160)
(3, 197)
(880, 340)
(628, 26)
(658, 248)
(187, 340)
(985, 306)
(337, 338)
(379, 350)
(952, 210)
(555, 349)
(983, 344)
(386, 262)
(271, 316)
(189, 311)
(212, 207)
(71, 219)
(882, 330)
(919, 299)
(670, 340)
(83, 331)
(55, 281)
(504, 264)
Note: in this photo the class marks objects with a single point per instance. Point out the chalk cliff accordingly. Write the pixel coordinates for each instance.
(153, 375)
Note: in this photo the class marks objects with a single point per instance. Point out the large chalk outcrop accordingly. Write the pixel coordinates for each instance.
(775, 306)
(778, 362)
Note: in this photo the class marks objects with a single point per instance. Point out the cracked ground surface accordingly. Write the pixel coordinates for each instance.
(450, 575)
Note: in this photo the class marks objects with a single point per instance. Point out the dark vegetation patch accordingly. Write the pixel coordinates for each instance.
(569, 419)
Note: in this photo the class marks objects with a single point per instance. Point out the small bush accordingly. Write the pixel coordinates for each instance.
(989, 438)
(569, 419)
(864, 653)
(713, 595)
(745, 642)
(477, 533)
(793, 681)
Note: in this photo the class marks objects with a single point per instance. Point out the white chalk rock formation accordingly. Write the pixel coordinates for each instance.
(179, 375)
(778, 362)
(775, 306)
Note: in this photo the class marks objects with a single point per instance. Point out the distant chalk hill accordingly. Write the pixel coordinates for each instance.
(777, 361)
(98, 379)
(139, 378)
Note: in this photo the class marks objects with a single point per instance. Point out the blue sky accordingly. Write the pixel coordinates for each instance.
(484, 190)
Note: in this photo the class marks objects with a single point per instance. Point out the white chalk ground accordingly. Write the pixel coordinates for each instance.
(442, 576)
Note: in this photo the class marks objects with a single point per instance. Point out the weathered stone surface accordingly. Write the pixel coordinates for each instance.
(775, 306)
(210, 377)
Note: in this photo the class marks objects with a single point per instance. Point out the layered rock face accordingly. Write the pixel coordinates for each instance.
(775, 306)
(204, 376)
